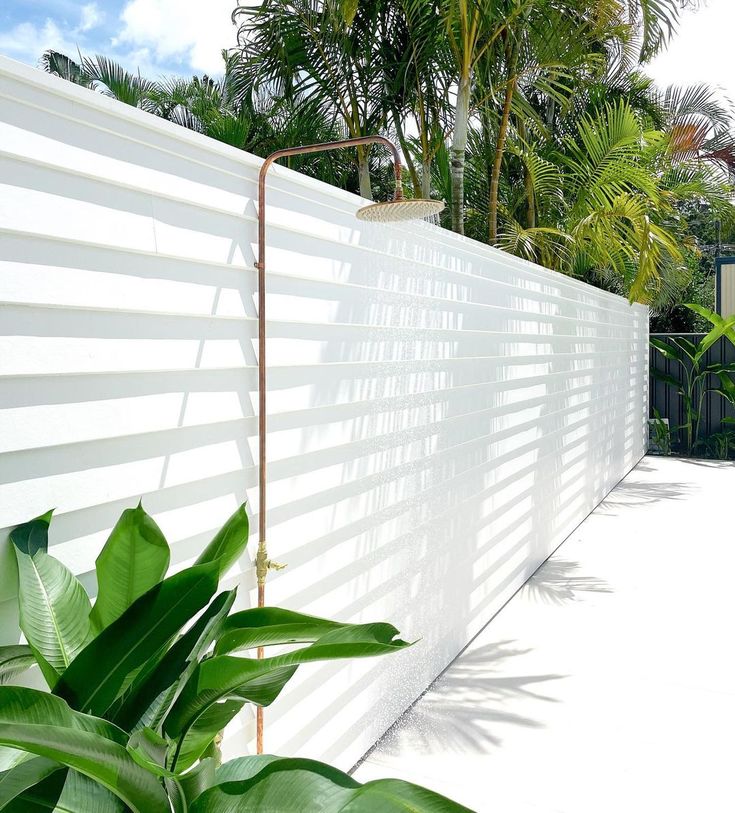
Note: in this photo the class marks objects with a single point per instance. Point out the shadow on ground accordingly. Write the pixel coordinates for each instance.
(558, 581)
(631, 494)
(466, 708)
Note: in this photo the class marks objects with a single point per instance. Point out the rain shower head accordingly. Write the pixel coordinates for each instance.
(391, 211)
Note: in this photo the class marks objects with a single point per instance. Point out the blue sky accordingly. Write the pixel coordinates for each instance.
(186, 36)
(156, 36)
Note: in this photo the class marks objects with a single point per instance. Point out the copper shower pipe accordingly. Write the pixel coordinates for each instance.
(262, 563)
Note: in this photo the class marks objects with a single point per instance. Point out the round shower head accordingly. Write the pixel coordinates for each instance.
(393, 210)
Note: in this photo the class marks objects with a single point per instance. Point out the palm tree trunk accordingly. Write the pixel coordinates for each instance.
(527, 180)
(459, 148)
(426, 178)
(363, 173)
(487, 139)
(500, 149)
(530, 200)
(408, 158)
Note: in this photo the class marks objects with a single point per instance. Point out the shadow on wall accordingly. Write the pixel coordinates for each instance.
(477, 439)
(439, 418)
(103, 406)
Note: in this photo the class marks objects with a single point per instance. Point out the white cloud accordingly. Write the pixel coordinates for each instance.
(191, 32)
(90, 34)
(28, 41)
(701, 51)
(91, 17)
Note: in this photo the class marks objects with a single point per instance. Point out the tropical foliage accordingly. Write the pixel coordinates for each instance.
(694, 376)
(532, 119)
(142, 682)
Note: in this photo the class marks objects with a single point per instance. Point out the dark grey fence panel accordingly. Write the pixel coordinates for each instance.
(670, 404)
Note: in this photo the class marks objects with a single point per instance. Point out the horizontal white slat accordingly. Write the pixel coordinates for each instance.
(26, 423)
(159, 282)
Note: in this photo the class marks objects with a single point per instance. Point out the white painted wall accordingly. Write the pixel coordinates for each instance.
(442, 414)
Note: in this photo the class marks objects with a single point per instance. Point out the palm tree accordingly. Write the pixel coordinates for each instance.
(111, 79)
(700, 126)
(221, 108)
(534, 113)
(58, 64)
(102, 74)
(613, 209)
(547, 52)
(472, 29)
(326, 50)
(414, 59)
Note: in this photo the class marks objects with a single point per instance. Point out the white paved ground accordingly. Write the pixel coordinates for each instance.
(607, 684)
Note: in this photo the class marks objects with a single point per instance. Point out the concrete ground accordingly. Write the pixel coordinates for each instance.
(607, 684)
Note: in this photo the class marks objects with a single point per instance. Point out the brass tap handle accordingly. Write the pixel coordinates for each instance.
(263, 564)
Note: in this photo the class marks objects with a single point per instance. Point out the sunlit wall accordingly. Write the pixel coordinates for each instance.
(442, 415)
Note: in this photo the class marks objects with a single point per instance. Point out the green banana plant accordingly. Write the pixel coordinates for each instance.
(697, 377)
(143, 681)
(720, 445)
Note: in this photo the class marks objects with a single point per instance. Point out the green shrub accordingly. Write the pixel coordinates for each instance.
(696, 377)
(143, 681)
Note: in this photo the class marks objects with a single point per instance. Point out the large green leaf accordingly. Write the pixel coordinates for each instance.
(152, 692)
(44, 796)
(14, 659)
(48, 671)
(35, 707)
(666, 378)
(32, 536)
(711, 316)
(274, 785)
(687, 346)
(18, 780)
(727, 385)
(267, 626)
(229, 542)
(714, 335)
(44, 725)
(42, 785)
(54, 608)
(716, 368)
(261, 681)
(242, 768)
(198, 779)
(67, 791)
(134, 559)
(94, 678)
(148, 749)
(202, 733)
(668, 350)
(220, 678)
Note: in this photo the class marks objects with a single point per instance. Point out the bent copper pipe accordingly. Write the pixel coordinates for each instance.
(262, 563)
